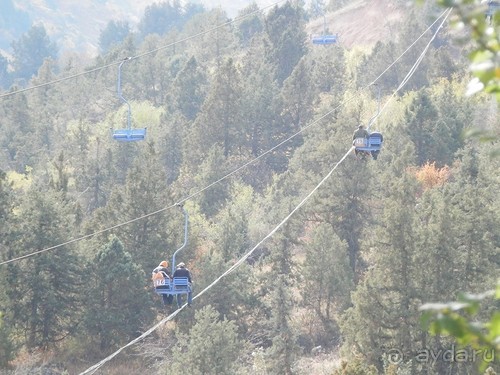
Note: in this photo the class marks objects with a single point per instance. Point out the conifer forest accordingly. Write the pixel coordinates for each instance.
(305, 257)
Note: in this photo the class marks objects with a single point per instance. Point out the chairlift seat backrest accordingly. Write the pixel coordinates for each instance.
(129, 135)
(375, 139)
(324, 39)
(360, 142)
(181, 283)
(162, 285)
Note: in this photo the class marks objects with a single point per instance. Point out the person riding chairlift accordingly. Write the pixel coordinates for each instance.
(160, 273)
(360, 138)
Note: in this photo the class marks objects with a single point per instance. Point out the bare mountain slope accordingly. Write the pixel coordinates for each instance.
(363, 22)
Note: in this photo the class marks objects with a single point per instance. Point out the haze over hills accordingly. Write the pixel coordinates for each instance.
(76, 25)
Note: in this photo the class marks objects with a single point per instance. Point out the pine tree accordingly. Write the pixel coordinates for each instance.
(384, 312)
(188, 89)
(285, 28)
(213, 168)
(44, 293)
(233, 223)
(220, 119)
(31, 50)
(280, 279)
(155, 237)
(327, 277)
(117, 303)
(211, 347)
(298, 96)
(232, 297)
(472, 194)
(7, 347)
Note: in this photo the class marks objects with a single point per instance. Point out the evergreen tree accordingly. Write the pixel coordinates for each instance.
(114, 33)
(262, 121)
(298, 96)
(285, 28)
(476, 219)
(211, 347)
(7, 348)
(372, 65)
(6, 345)
(145, 191)
(5, 79)
(421, 122)
(159, 18)
(250, 26)
(31, 50)
(220, 119)
(233, 297)
(213, 168)
(328, 70)
(117, 303)
(328, 277)
(233, 220)
(17, 138)
(280, 279)
(44, 293)
(188, 89)
(384, 312)
(172, 147)
(216, 46)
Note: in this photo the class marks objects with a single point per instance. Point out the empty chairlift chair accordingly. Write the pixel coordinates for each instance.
(324, 39)
(128, 134)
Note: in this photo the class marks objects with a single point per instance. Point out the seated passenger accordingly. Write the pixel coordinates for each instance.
(182, 271)
(159, 274)
(360, 132)
(360, 139)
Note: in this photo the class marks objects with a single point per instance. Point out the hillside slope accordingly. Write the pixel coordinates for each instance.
(76, 25)
(362, 22)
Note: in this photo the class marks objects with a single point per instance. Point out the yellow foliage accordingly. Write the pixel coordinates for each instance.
(430, 176)
(20, 181)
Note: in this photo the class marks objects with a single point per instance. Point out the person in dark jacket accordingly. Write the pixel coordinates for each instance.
(360, 133)
(182, 271)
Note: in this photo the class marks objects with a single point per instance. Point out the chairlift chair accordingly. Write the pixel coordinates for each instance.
(324, 39)
(129, 134)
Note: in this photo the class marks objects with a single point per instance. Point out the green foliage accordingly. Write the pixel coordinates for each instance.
(355, 367)
(188, 91)
(250, 26)
(31, 50)
(114, 33)
(159, 18)
(211, 104)
(457, 319)
(6, 346)
(285, 30)
(117, 303)
(5, 79)
(327, 272)
(220, 118)
(484, 32)
(211, 346)
(42, 306)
